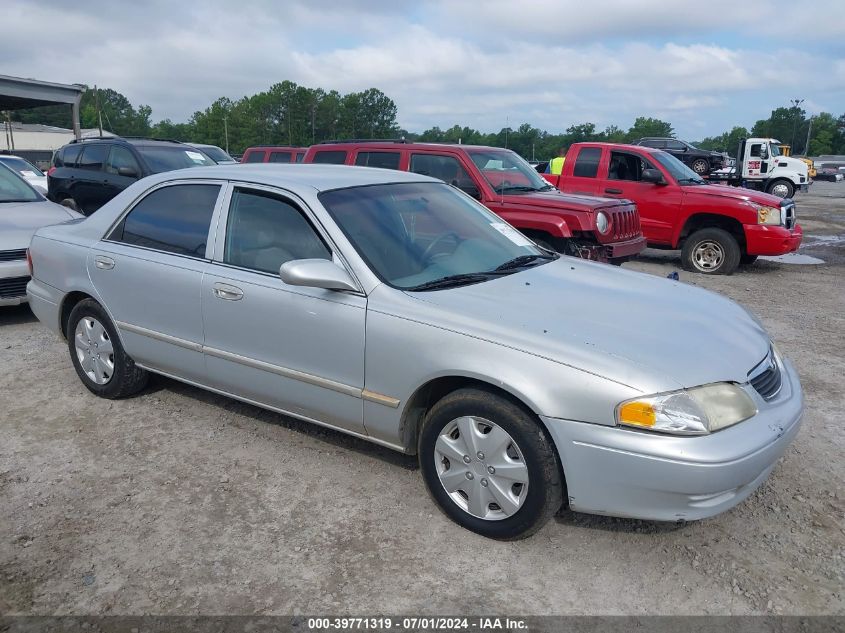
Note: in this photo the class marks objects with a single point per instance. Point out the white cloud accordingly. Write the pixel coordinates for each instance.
(453, 61)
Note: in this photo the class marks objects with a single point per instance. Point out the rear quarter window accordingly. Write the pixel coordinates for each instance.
(330, 157)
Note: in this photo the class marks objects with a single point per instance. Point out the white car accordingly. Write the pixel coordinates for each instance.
(26, 170)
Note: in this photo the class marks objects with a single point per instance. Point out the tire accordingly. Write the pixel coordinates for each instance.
(70, 203)
(701, 166)
(711, 251)
(562, 245)
(108, 374)
(747, 260)
(514, 441)
(782, 188)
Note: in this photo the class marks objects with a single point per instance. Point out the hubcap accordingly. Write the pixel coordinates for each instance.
(493, 484)
(780, 190)
(708, 256)
(699, 166)
(94, 350)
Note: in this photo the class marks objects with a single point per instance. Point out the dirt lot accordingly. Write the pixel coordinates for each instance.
(182, 502)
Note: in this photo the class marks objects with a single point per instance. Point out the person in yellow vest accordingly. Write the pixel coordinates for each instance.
(556, 164)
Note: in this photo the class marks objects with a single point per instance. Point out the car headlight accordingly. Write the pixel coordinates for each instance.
(769, 215)
(696, 411)
(602, 223)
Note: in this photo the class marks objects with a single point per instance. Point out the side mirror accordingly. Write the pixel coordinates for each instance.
(129, 172)
(468, 188)
(316, 273)
(653, 176)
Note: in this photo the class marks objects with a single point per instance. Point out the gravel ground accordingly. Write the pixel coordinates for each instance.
(182, 502)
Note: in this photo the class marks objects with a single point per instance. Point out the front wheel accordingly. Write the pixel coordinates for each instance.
(98, 356)
(781, 188)
(711, 251)
(489, 465)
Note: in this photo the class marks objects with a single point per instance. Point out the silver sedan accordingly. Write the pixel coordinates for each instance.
(22, 210)
(395, 308)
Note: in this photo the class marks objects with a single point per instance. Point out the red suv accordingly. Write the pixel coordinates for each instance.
(591, 227)
(273, 154)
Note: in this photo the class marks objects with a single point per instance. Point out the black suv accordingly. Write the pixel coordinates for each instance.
(700, 161)
(87, 173)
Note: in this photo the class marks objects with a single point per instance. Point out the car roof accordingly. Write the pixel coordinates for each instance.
(396, 145)
(318, 177)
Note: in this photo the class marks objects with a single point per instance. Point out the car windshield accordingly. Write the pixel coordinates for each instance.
(22, 166)
(162, 158)
(427, 236)
(13, 188)
(508, 172)
(680, 172)
(216, 154)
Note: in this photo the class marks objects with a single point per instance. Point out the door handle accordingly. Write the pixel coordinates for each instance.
(227, 292)
(612, 190)
(103, 263)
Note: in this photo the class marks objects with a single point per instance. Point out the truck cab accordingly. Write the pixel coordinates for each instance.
(761, 165)
(593, 227)
(717, 227)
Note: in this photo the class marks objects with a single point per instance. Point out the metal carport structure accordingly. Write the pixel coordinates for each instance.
(17, 93)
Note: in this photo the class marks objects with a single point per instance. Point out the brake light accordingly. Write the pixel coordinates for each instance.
(29, 263)
(51, 170)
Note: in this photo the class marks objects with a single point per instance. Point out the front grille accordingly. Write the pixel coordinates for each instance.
(789, 213)
(10, 256)
(12, 287)
(766, 377)
(625, 224)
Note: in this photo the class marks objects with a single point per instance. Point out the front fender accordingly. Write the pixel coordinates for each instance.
(555, 226)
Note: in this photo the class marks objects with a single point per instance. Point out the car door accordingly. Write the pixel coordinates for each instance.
(119, 165)
(658, 205)
(296, 349)
(148, 273)
(583, 179)
(90, 192)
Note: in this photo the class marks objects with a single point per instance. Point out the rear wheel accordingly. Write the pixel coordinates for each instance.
(711, 251)
(97, 355)
(488, 465)
(701, 166)
(781, 188)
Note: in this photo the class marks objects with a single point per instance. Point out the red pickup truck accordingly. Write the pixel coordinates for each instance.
(717, 227)
(592, 227)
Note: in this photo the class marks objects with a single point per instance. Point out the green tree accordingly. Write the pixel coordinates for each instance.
(647, 126)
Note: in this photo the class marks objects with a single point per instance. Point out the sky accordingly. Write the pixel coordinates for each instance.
(704, 66)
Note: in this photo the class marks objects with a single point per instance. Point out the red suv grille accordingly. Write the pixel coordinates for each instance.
(624, 224)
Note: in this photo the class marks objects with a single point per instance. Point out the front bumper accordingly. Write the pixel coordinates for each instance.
(629, 473)
(772, 240)
(629, 248)
(10, 272)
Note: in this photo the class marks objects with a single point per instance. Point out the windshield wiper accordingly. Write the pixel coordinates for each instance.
(523, 260)
(451, 281)
(17, 200)
(697, 181)
(502, 189)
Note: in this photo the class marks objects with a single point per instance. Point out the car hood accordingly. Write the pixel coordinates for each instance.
(554, 199)
(740, 194)
(646, 332)
(19, 220)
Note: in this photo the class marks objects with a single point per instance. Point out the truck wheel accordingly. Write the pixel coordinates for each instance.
(746, 259)
(781, 188)
(711, 251)
(701, 166)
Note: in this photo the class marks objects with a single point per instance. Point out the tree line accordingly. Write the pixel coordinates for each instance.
(290, 114)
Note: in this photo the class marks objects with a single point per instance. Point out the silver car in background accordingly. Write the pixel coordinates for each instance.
(26, 170)
(395, 308)
(23, 210)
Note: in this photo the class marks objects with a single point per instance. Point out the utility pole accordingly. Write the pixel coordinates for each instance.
(796, 103)
(99, 114)
(226, 131)
(809, 130)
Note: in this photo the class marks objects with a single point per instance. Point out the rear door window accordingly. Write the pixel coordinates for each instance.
(173, 219)
(332, 157)
(119, 158)
(68, 156)
(93, 156)
(254, 157)
(279, 157)
(385, 160)
(587, 162)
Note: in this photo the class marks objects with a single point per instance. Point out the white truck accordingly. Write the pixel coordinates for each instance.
(761, 165)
